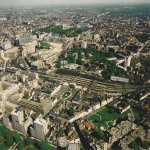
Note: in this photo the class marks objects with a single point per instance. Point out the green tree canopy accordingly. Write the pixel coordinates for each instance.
(28, 141)
(99, 134)
(20, 146)
(134, 145)
(3, 130)
(43, 145)
(17, 137)
(9, 140)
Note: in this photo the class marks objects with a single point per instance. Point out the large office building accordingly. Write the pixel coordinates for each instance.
(40, 128)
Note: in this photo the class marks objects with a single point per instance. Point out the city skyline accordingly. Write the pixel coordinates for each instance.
(66, 2)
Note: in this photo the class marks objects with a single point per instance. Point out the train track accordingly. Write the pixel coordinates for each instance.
(97, 86)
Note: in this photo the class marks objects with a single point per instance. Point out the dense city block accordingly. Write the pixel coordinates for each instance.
(75, 77)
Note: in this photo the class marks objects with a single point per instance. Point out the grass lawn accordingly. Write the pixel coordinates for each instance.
(108, 116)
(105, 118)
(66, 94)
(42, 45)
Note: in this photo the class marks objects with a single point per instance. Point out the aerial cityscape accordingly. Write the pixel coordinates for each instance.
(74, 75)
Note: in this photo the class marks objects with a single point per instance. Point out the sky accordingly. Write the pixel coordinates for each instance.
(45, 2)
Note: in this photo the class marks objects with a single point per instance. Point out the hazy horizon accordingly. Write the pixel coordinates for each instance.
(67, 2)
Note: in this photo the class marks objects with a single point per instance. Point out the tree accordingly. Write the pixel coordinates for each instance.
(17, 137)
(58, 64)
(79, 61)
(3, 130)
(70, 111)
(100, 99)
(99, 134)
(95, 98)
(134, 145)
(112, 110)
(44, 145)
(28, 141)
(106, 74)
(20, 146)
(70, 59)
(9, 140)
(32, 148)
(145, 145)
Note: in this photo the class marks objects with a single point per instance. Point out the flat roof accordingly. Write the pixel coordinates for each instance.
(73, 146)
